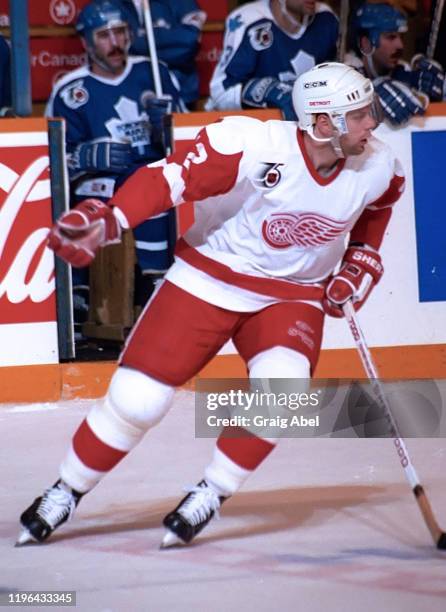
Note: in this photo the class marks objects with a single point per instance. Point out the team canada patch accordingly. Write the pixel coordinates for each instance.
(269, 176)
(282, 230)
(75, 95)
(261, 36)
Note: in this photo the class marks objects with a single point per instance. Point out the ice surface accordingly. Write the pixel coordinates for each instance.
(324, 524)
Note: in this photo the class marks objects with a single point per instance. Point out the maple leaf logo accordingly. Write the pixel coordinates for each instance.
(132, 126)
(62, 12)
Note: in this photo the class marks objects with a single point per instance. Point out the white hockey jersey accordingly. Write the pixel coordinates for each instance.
(267, 226)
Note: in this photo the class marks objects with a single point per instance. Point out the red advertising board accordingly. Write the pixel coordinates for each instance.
(216, 10)
(46, 12)
(27, 285)
(51, 58)
(208, 56)
(64, 12)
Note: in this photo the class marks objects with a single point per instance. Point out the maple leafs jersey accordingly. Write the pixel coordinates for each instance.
(118, 109)
(255, 46)
(267, 226)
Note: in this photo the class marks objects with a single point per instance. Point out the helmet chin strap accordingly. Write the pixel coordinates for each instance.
(334, 140)
(369, 61)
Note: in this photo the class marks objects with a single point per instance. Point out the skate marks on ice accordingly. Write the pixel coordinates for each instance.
(271, 538)
(304, 534)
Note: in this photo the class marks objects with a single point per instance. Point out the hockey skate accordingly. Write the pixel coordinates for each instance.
(48, 512)
(192, 514)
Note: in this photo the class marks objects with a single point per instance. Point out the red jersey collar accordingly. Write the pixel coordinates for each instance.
(322, 180)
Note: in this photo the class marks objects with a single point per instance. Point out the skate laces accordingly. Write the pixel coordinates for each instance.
(199, 506)
(56, 504)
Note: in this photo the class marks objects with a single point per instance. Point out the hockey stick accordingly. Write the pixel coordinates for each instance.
(433, 36)
(437, 534)
(343, 30)
(152, 49)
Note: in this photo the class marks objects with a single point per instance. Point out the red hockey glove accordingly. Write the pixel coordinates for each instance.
(360, 271)
(78, 234)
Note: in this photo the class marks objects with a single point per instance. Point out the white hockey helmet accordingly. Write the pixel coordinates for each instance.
(331, 88)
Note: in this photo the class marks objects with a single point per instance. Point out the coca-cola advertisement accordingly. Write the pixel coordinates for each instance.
(27, 282)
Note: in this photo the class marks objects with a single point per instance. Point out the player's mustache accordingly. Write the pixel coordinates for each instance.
(116, 50)
(398, 54)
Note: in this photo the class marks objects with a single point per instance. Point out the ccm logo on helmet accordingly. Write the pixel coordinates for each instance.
(315, 84)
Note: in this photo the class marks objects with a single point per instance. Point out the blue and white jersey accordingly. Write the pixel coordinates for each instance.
(177, 26)
(255, 47)
(116, 109)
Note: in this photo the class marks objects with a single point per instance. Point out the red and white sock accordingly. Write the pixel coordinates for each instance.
(235, 458)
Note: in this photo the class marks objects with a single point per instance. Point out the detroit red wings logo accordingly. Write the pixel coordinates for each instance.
(282, 230)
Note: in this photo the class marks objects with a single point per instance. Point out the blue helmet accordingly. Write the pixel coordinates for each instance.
(375, 19)
(99, 14)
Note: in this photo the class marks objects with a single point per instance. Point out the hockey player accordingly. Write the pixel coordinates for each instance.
(113, 120)
(404, 91)
(177, 26)
(267, 45)
(267, 252)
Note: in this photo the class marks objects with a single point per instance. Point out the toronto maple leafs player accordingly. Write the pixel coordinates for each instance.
(177, 26)
(404, 90)
(288, 228)
(114, 123)
(267, 45)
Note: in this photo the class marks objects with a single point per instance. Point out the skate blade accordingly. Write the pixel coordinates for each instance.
(25, 537)
(171, 539)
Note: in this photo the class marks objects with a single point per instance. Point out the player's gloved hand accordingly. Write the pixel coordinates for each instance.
(100, 156)
(77, 234)
(397, 100)
(427, 76)
(269, 92)
(360, 271)
(159, 111)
